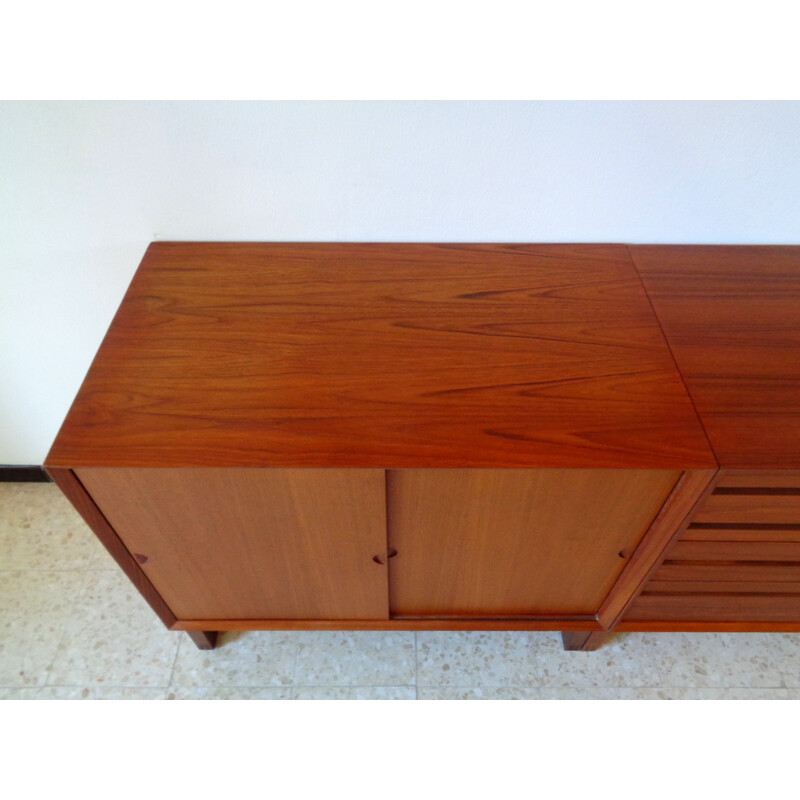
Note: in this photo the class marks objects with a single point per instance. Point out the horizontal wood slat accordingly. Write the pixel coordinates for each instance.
(732, 571)
(750, 508)
(707, 626)
(725, 534)
(715, 607)
(735, 551)
(723, 587)
(759, 478)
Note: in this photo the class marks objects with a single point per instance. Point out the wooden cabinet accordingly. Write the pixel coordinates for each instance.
(426, 437)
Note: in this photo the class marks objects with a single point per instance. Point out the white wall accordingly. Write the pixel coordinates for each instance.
(85, 186)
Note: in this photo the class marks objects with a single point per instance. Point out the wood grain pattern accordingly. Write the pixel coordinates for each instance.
(723, 587)
(735, 551)
(699, 626)
(732, 318)
(507, 542)
(690, 491)
(759, 478)
(239, 543)
(83, 503)
(750, 508)
(720, 608)
(385, 356)
(726, 571)
(769, 533)
(430, 624)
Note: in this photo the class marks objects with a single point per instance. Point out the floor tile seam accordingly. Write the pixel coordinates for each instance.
(158, 688)
(562, 686)
(39, 570)
(65, 629)
(171, 687)
(353, 686)
(181, 640)
(339, 686)
(21, 686)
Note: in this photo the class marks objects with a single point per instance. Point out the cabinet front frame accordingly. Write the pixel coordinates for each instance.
(674, 515)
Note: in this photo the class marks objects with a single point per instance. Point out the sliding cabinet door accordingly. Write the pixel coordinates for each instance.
(509, 542)
(253, 543)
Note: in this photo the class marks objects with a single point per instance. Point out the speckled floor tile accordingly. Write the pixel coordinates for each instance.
(114, 638)
(630, 662)
(708, 660)
(530, 659)
(472, 658)
(229, 693)
(355, 658)
(101, 693)
(253, 658)
(40, 530)
(35, 609)
(789, 664)
(354, 693)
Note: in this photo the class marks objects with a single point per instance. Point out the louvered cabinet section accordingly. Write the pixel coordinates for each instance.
(738, 559)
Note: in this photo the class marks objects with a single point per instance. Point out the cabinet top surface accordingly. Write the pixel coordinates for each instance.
(732, 318)
(383, 355)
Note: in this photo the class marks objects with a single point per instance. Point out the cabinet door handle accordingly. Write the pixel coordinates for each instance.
(381, 559)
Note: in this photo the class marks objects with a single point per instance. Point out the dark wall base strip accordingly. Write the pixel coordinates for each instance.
(23, 474)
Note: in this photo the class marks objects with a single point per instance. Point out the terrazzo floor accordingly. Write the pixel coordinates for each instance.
(74, 628)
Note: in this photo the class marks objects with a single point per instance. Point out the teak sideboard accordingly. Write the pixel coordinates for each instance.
(584, 438)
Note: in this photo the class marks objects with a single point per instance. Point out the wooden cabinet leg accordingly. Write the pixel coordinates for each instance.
(583, 640)
(205, 640)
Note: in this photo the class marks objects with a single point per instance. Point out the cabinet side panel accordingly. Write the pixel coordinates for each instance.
(253, 543)
(505, 542)
(76, 493)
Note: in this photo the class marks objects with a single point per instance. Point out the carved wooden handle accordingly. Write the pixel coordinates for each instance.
(382, 559)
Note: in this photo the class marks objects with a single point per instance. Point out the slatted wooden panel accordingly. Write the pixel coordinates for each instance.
(738, 560)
